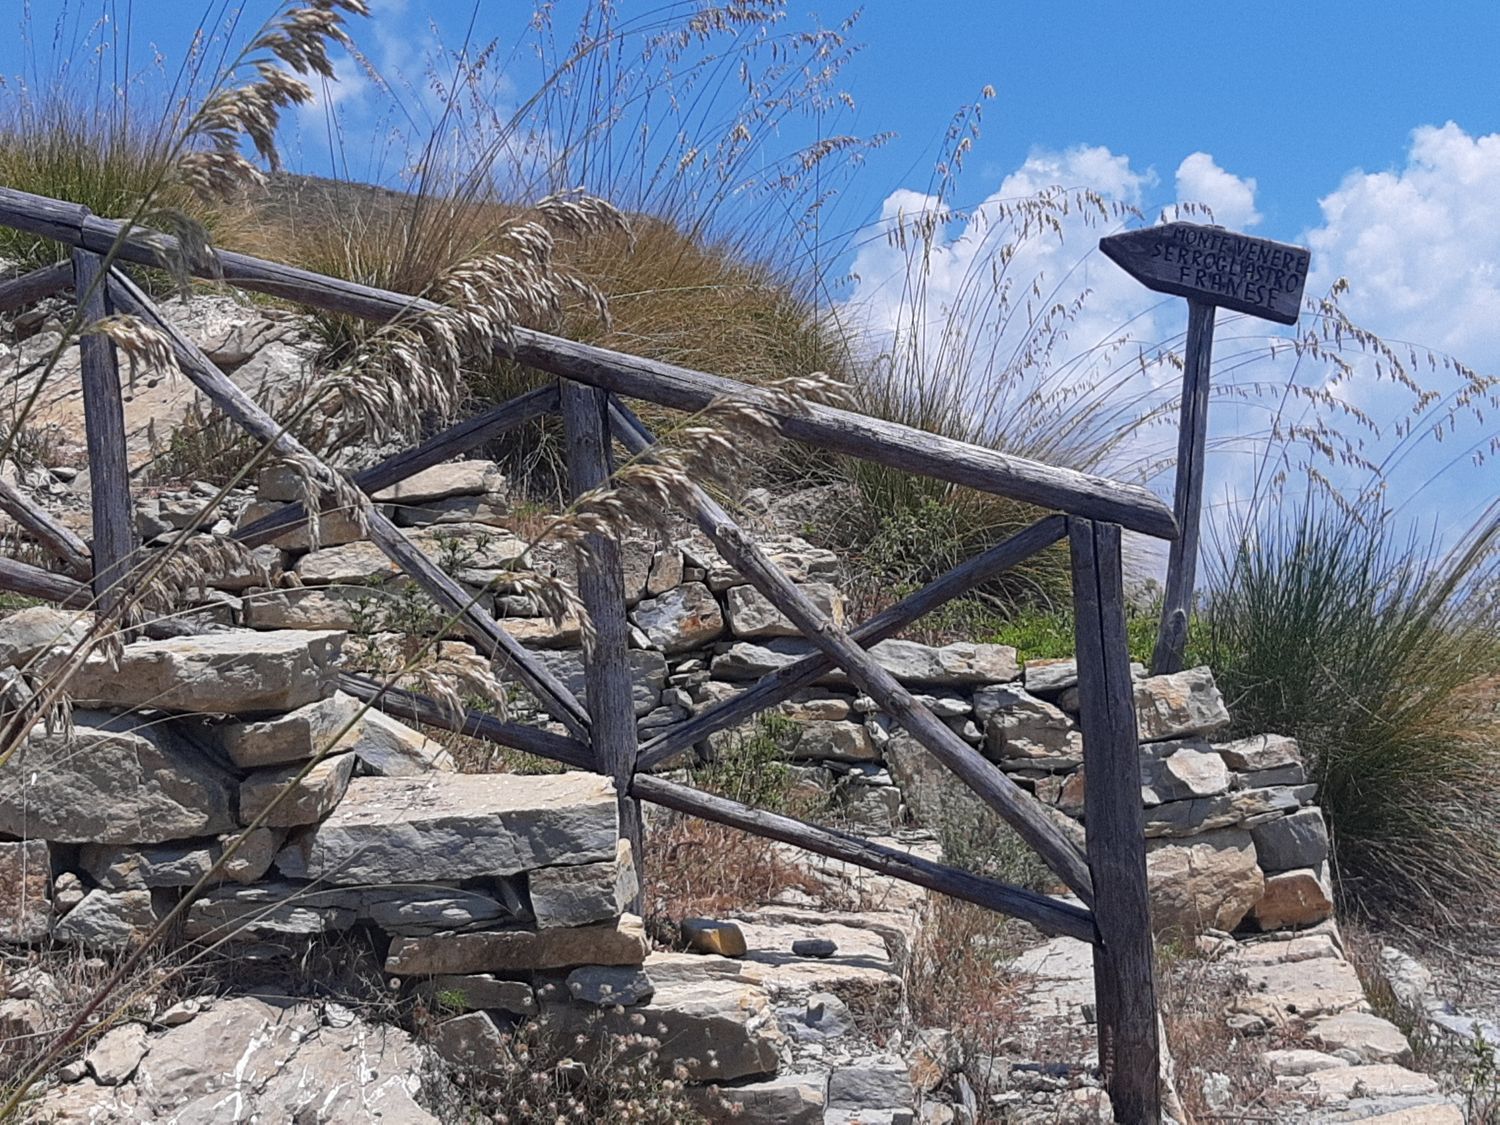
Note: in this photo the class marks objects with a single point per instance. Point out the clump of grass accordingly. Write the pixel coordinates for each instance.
(1043, 633)
(1324, 626)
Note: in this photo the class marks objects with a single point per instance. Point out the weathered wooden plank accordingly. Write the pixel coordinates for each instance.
(1215, 266)
(491, 639)
(1048, 914)
(781, 684)
(34, 582)
(601, 588)
(29, 288)
(1124, 971)
(1187, 495)
(418, 708)
(46, 530)
(114, 539)
(1020, 809)
(435, 450)
(838, 431)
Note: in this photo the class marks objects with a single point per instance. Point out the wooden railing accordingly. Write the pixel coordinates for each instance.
(1108, 877)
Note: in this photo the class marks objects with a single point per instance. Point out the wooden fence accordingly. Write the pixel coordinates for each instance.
(1108, 877)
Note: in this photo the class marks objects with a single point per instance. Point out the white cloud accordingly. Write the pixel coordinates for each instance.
(1420, 245)
(1231, 198)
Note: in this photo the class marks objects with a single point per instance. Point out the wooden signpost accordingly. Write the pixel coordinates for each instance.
(1211, 267)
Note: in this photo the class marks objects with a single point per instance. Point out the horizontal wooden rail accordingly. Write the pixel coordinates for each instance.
(29, 288)
(776, 686)
(418, 708)
(34, 582)
(837, 431)
(492, 640)
(1046, 913)
(435, 450)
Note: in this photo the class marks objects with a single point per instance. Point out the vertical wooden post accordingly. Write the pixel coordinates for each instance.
(1187, 496)
(601, 586)
(1124, 974)
(104, 429)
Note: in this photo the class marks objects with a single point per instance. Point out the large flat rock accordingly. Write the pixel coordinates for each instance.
(116, 780)
(619, 942)
(457, 826)
(218, 673)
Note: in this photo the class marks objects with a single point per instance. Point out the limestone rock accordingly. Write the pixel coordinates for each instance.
(1279, 990)
(350, 608)
(1293, 899)
(25, 883)
(793, 1099)
(581, 893)
(113, 1059)
(682, 618)
(447, 826)
(1177, 771)
(294, 737)
(1298, 1061)
(453, 478)
(248, 1059)
(179, 864)
(388, 747)
(470, 1041)
(622, 942)
(1178, 705)
(708, 936)
(291, 800)
(833, 741)
(1299, 839)
(1378, 1081)
(106, 920)
(224, 673)
(1207, 881)
(1023, 727)
(37, 628)
(718, 1028)
(1048, 677)
(665, 573)
(949, 666)
(357, 563)
(751, 613)
(648, 676)
(1259, 752)
(872, 1084)
(269, 908)
(605, 987)
(117, 780)
(483, 992)
(336, 527)
(798, 559)
(1409, 980)
(487, 509)
(1373, 1039)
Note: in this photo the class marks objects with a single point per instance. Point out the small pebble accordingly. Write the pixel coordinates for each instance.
(814, 947)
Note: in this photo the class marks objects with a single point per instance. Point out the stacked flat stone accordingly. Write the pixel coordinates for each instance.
(178, 747)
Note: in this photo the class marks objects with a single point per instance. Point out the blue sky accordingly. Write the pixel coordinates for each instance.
(1369, 131)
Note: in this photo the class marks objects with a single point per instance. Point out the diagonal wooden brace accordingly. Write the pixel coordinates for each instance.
(1018, 808)
(781, 684)
(481, 627)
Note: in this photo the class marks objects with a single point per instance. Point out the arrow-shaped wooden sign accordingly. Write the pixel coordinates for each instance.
(1209, 266)
(1215, 266)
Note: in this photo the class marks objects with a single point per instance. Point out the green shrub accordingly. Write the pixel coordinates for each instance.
(1365, 648)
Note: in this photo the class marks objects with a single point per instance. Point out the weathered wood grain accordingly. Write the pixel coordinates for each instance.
(837, 431)
(46, 530)
(1020, 809)
(601, 588)
(29, 288)
(1216, 266)
(114, 538)
(457, 439)
(491, 639)
(1124, 969)
(1048, 914)
(1187, 495)
(34, 582)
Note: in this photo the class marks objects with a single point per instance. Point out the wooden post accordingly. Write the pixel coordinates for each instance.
(104, 429)
(1124, 973)
(601, 587)
(1187, 497)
